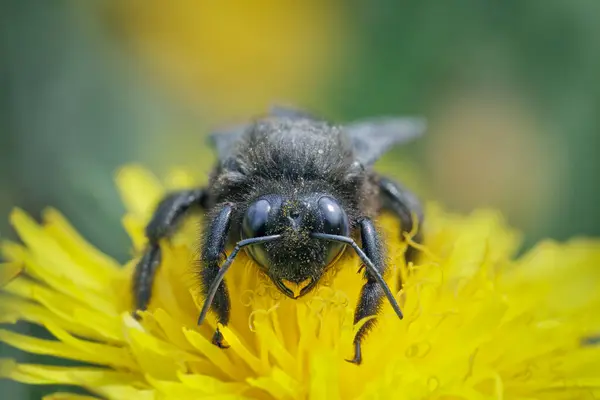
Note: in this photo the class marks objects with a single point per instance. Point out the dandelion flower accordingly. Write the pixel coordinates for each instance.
(479, 323)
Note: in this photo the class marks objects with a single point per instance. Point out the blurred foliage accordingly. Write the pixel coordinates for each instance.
(510, 89)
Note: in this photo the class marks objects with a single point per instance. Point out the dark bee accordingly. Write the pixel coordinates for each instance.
(294, 192)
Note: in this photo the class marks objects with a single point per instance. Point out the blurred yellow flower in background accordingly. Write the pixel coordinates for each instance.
(234, 57)
(478, 324)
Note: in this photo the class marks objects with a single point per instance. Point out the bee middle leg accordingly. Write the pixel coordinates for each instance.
(167, 215)
(371, 294)
(405, 205)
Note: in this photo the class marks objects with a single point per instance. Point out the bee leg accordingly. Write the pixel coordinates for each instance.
(371, 294)
(163, 223)
(213, 248)
(404, 204)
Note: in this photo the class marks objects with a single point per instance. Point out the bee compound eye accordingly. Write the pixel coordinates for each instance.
(256, 219)
(334, 222)
(255, 225)
(334, 219)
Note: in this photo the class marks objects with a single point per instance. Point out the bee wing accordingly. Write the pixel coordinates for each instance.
(371, 138)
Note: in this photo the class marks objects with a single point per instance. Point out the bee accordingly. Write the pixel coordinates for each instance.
(294, 192)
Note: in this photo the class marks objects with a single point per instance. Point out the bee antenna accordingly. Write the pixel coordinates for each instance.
(369, 265)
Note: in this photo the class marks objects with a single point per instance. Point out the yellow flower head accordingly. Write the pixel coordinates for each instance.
(478, 323)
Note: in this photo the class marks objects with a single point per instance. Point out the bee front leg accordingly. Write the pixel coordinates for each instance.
(213, 249)
(371, 294)
(167, 215)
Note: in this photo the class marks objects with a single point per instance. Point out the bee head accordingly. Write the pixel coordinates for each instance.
(296, 262)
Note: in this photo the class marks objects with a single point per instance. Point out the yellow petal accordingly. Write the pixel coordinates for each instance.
(90, 352)
(157, 358)
(69, 239)
(242, 351)
(278, 384)
(209, 384)
(83, 376)
(21, 309)
(67, 308)
(56, 260)
(323, 377)
(179, 390)
(9, 271)
(218, 358)
(68, 396)
(140, 190)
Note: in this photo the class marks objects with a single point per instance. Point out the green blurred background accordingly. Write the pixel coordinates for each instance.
(510, 89)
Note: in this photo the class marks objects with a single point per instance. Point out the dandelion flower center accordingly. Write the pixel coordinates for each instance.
(479, 324)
